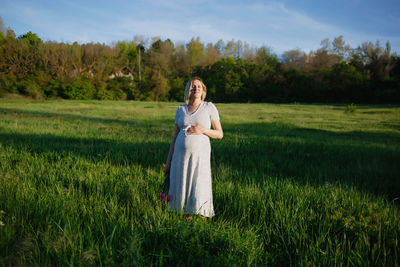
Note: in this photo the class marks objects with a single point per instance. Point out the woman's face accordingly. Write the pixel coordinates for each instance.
(197, 89)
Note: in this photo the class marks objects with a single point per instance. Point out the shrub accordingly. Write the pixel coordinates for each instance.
(55, 88)
(79, 89)
(29, 87)
(33, 90)
(103, 94)
(121, 88)
(350, 108)
(7, 84)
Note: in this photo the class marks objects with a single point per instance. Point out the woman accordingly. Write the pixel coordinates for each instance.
(189, 155)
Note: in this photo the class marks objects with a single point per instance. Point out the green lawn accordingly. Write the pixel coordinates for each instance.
(293, 184)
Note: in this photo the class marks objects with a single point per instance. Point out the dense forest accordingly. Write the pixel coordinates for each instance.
(233, 71)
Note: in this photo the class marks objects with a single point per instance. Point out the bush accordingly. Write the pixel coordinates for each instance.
(33, 90)
(121, 88)
(103, 94)
(29, 87)
(55, 88)
(350, 108)
(177, 88)
(80, 89)
(8, 85)
(345, 83)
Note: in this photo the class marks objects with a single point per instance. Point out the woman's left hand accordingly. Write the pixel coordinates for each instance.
(195, 129)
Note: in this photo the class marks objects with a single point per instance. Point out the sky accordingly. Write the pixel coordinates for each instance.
(279, 25)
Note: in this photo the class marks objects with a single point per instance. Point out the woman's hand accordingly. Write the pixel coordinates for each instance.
(195, 129)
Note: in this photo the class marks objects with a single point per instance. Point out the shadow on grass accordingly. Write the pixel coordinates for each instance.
(365, 160)
(146, 154)
(74, 117)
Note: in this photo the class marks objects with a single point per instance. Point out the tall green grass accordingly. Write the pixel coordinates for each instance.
(293, 185)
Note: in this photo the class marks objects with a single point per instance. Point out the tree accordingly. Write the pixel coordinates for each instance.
(340, 48)
(212, 55)
(294, 59)
(124, 57)
(226, 80)
(18, 59)
(345, 83)
(160, 58)
(323, 57)
(233, 71)
(196, 52)
(378, 61)
(248, 53)
(3, 30)
(233, 49)
(264, 55)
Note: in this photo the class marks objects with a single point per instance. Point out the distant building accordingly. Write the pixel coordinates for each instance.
(124, 72)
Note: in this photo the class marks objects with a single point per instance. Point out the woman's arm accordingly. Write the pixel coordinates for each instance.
(215, 133)
(171, 150)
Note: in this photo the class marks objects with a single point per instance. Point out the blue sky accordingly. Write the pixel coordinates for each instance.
(280, 25)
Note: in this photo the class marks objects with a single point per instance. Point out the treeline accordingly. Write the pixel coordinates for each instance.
(233, 71)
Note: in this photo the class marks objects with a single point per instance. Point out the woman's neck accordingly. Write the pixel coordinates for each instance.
(195, 102)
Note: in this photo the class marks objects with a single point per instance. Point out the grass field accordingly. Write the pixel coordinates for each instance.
(293, 185)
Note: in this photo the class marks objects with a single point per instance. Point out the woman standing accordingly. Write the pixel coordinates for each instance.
(189, 156)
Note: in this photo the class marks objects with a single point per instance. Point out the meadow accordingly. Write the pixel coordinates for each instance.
(293, 184)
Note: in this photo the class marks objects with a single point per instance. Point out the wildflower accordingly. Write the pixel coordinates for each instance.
(165, 197)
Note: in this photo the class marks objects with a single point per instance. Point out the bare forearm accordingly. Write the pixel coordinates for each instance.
(216, 134)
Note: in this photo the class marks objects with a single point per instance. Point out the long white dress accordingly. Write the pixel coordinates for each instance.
(190, 174)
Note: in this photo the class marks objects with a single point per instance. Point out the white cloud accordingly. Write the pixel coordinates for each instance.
(175, 31)
(282, 29)
(209, 33)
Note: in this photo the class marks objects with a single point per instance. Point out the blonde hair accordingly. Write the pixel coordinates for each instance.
(189, 85)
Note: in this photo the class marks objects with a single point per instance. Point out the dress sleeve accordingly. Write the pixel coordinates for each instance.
(214, 115)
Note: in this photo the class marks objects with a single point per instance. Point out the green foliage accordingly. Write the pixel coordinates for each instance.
(55, 88)
(103, 94)
(196, 52)
(345, 83)
(350, 108)
(2, 38)
(297, 85)
(31, 38)
(264, 56)
(7, 84)
(232, 71)
(28, 86)
(177, 88)
(80, 88)
(121, 88)
(33, 89)
(226, 80)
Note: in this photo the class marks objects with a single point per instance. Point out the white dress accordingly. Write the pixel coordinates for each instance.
(190, 174)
